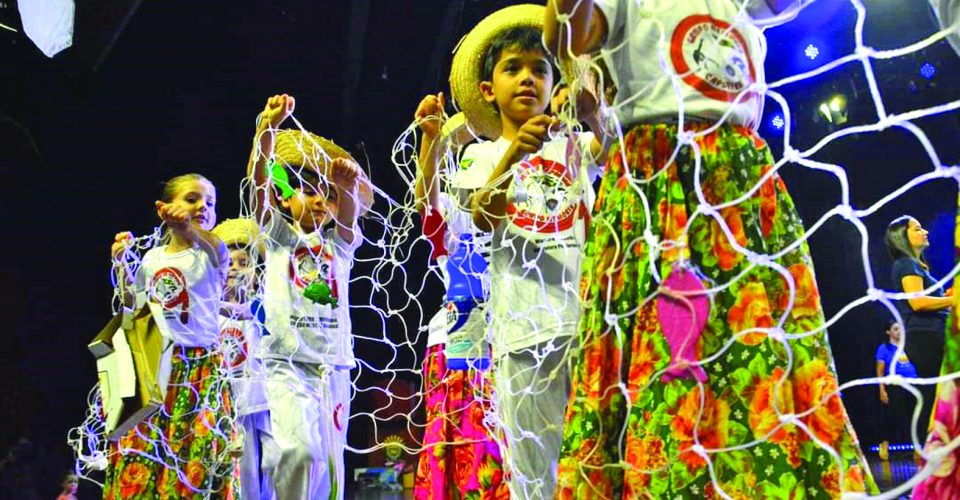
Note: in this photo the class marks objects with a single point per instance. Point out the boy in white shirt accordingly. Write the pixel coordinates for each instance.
(308, 353)
(533, 193)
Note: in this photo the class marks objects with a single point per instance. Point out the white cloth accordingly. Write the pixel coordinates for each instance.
(714, 53)
(255, 484)
(948, 12)
(532, 393)
(536, 251)
(300, 329)
(240, 346)
(183, 291)
(49, 23)
(309, 412)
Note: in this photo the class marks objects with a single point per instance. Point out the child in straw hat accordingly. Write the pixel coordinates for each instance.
(311, 233)
(532, 192)
(685, 384)
(240, 334)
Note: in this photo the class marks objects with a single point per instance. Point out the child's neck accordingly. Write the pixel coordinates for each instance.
(509, 129)
(178, 243)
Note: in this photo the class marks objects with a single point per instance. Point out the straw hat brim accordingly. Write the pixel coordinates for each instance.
(239, 232)
(465, 72)
(295, 148)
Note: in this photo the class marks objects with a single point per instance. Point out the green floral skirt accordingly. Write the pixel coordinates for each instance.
(631, 432)
(181, 451)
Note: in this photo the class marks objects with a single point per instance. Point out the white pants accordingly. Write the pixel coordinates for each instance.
(254, 483)
(533, 386)
(309, 411)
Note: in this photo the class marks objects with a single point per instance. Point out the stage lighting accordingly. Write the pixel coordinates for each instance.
(812, 51)
(834, 109)
(928, 70)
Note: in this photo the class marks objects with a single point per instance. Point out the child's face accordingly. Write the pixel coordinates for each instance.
(521, 86)
(311, 206)
(199, 198)
(241, 268)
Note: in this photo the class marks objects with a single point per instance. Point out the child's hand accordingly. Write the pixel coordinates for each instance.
(344, 173)
(176, 218)
(531, 135)
(430, 115)
(884, 397)
(278, 109)
(121, 242)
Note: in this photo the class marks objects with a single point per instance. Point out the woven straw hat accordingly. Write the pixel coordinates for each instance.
(467, 68)
(239, 232)
(295, 148)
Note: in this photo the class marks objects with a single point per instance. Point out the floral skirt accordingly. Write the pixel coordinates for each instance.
(181, 451)
(460, 458)
(634, 431)
(944, 482)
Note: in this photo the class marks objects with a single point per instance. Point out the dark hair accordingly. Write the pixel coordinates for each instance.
(519, 39)
(898, 243)
(887, 325)
(169, 191)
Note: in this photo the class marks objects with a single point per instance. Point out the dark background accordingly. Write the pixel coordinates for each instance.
(157, 89)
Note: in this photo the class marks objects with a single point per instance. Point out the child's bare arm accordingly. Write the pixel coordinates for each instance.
(277, 109)
(430, 115)
(347, 177)
(489, 204)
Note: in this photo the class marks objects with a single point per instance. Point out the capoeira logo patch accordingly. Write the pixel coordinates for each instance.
(169, 288)
(551, 202)
(712, 57)
(233, 347)
(311, 264)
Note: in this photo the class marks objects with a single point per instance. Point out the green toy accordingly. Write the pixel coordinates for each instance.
(319, 292)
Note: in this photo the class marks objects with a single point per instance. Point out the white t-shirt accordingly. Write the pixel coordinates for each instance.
(948, 12)
(183, 291)
(459, 222)
(536, 252)
(240, 343)
(715, 54)
(300, 329)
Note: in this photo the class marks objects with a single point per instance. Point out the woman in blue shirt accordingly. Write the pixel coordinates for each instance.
(897, 402)
(924, 317)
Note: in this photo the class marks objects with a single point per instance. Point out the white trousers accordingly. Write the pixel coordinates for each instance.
(309, 411)
(533, 386)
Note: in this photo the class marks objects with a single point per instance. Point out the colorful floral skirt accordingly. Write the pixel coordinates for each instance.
(181, 451)
(944, 482)
(460, 458)
(629, 431)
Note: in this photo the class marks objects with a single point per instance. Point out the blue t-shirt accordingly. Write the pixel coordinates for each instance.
(905, 368)
(917, 320)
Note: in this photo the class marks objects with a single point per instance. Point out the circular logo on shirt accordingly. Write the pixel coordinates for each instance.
(233, 346)
(169, 288)
(548, 204)
(711, 56)
(310, 264)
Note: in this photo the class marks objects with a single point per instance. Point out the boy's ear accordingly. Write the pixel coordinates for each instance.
(486, 90)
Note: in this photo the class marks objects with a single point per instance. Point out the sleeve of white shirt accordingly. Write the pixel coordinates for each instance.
(471, 172)
(278, 231)
(615, 13)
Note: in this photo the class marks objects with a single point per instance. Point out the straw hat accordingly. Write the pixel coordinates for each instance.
(467, 68)
(239, 232)
(298, 149)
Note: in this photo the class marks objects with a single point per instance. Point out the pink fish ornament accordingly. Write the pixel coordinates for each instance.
(683, 307)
